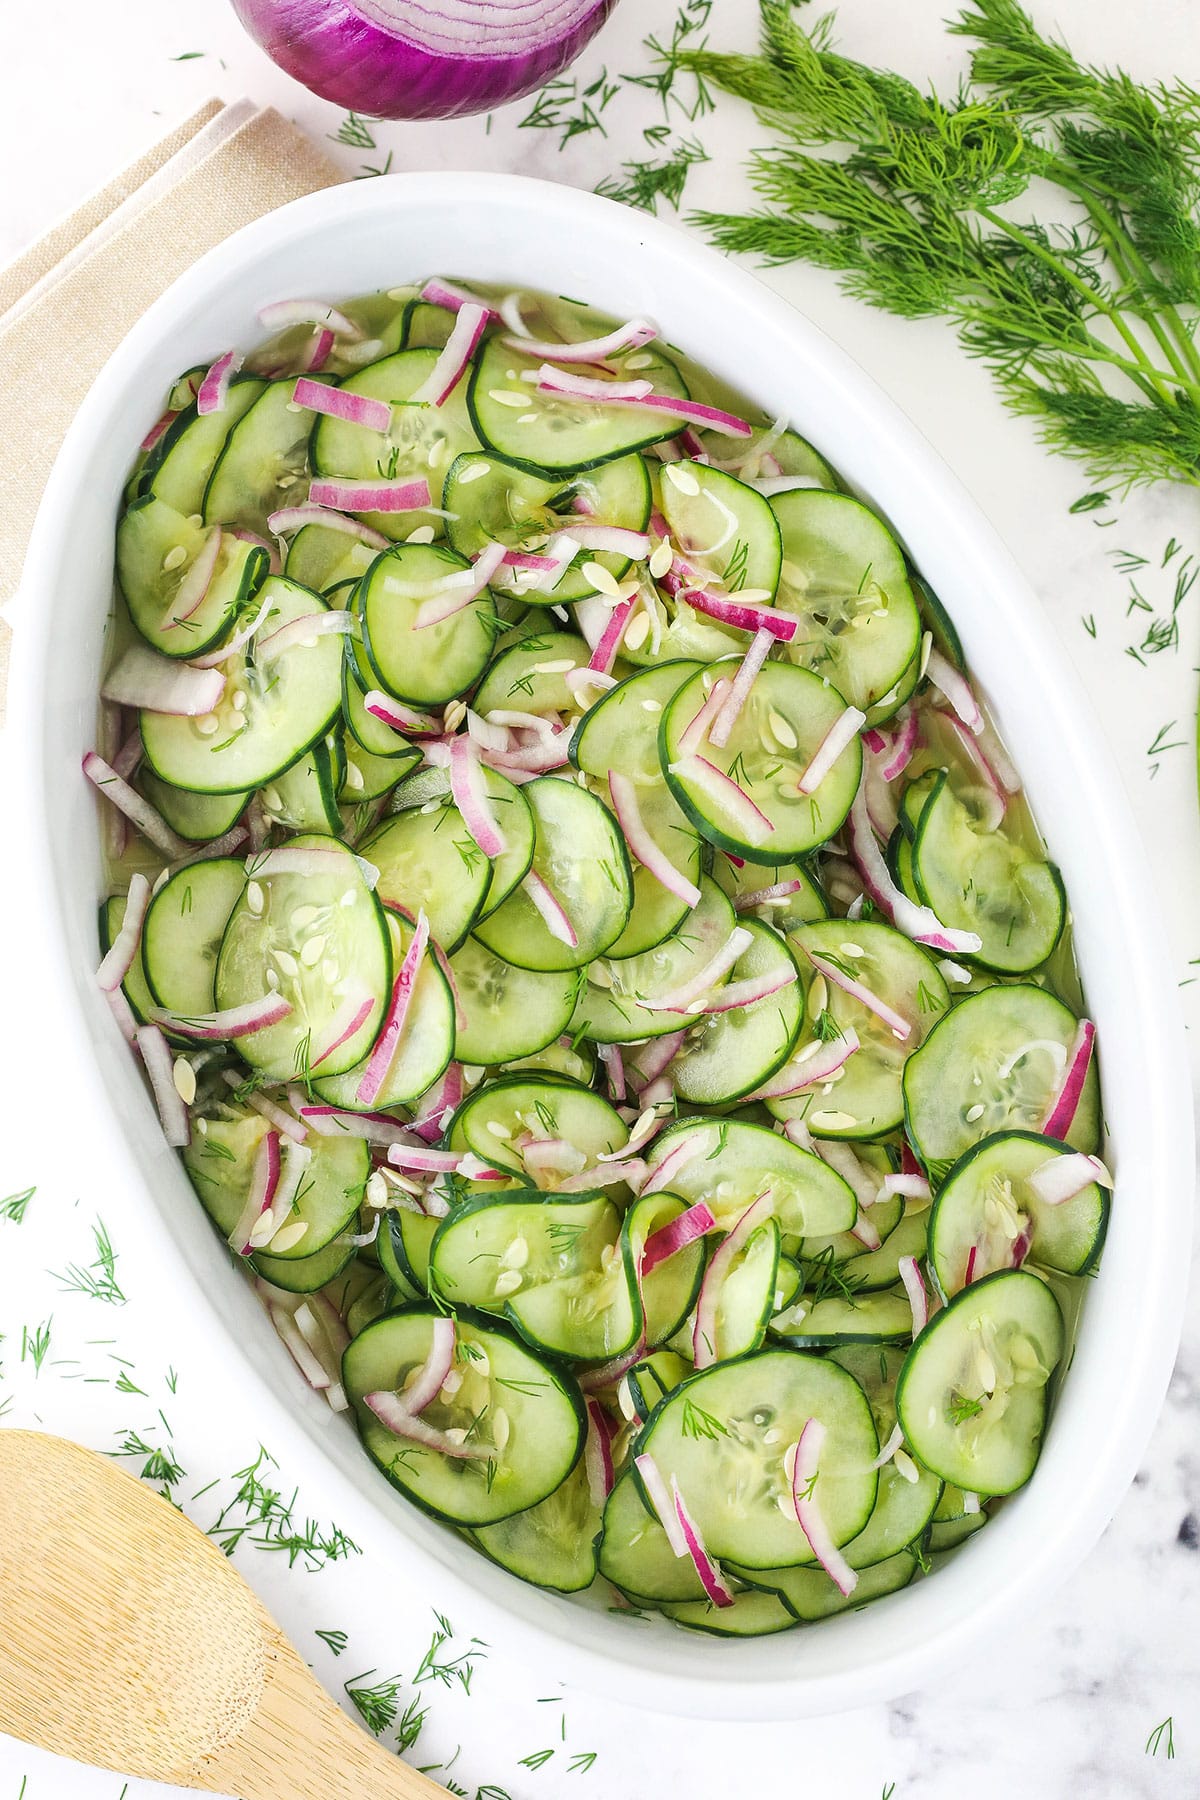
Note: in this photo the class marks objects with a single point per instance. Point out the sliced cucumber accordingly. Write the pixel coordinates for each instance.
(729, 1054)
(669, 1290)
(579, 855)
(220, 1163)
(809, 1594)
(430, 664)
(530, 675)
(635, 1554)
(751, 1614)
(725, 1434)
(421, 442)
(506, 1012)
(427, 1043)
(270, 714)
(993, 1063)
(263, 464)
(800, 903)
(305, 797)
(987, 1216)
(552, 1544)
(526, 1412)
(983, 881)
(844, 577)
(179, 467)
(321, 943)
(907, 1494)
(197, 817)
(728, 1163)
(619, 1001)
(972, 1394)
(725, 526)
(867, 1318)
(500, 1119)
(785, 719)
(182, 935)
(551, 434)
(159, 552)
(550, 1264)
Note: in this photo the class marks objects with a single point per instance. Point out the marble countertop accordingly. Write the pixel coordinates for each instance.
(1072, 1705)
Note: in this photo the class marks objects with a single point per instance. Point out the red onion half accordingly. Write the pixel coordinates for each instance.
(399, 59)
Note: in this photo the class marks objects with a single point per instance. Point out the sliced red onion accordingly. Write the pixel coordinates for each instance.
(277, 315)
(549, 380)
(336, 1121)
(614, 1070)
(471, 797)
(652, 858)
(358, 1016)
(234, 1022)
(336, 403)
(640, 394)
(808, 1513)
(709, 1571)
(160, 1067)
(660, 1499)
(687, 998)
(676, 1235)
(455, 599)
(1063, 1177)
(319, 350)
(957, 689)
(139, 812)
(436, 1106)
(162, 684)
(897, 1024)
(704, 1329)
(524, 559)
(815, 1064)
(386, 1044)
(469, 326)
(613, 540)
(157, 430)
(302, 860)
(895, 1442)
(914, 1287)
(345, 495)
(189, 595)
(739, 693)
(597, 1454)
(779, 890)
(282, 1121)
(426, 1161)
(443, 293)
(839, 737)
(629, 1171)
(842, 1159)
(698, 726)
(214, 389)
(238, 641)
(908, 1186)
(748, 819)
(427, 1385)
(295, 518)
(677, 1158)
(552, 1156)
(901, 749)
(489, 733)
(920, 923)
(264, 1179)
(393, 1413)
(998, 760)
(738, 994)
(988, 780)
(875, 741)
(656, 1058)
(122, 1013)
(306, 630)
(626, 337)
(741, 614)
(552, 913)
(309, 1365)
(530, 759)
(972, 1257)
(124, 947)
(605, 653)
(1063, 1107)
(400, 717)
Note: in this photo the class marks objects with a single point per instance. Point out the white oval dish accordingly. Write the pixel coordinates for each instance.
(503, 228)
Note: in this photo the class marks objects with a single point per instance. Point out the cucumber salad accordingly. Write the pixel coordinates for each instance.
(592, 952)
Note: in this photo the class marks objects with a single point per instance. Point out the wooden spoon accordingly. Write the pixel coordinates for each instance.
(128, 1640)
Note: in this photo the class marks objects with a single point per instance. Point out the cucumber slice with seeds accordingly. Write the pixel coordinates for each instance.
(727, 1055)
(552, 1544)
(157, 550)
(724, 525)
(729, 1163)
(262, 465)
(424, 1049)
(987, 1214)
(183, 931)
(220, 1163)
(433, 663)
(506, 1012)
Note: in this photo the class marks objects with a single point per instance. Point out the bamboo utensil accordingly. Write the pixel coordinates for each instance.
(128, 1640)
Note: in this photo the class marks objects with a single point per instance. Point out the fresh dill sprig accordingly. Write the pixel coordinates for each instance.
(643, 184)
(98, 1278)
(36, 1343)
(16, 1205)
(1080, 324)
(376, 1706)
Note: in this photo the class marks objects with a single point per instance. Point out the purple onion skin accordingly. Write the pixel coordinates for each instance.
(336, 53)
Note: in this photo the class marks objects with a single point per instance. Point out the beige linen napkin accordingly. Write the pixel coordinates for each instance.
(86, 282)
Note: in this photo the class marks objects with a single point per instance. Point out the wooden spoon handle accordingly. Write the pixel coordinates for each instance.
(300, 1745)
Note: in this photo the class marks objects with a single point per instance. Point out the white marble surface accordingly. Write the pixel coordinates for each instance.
(1068, 1705)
